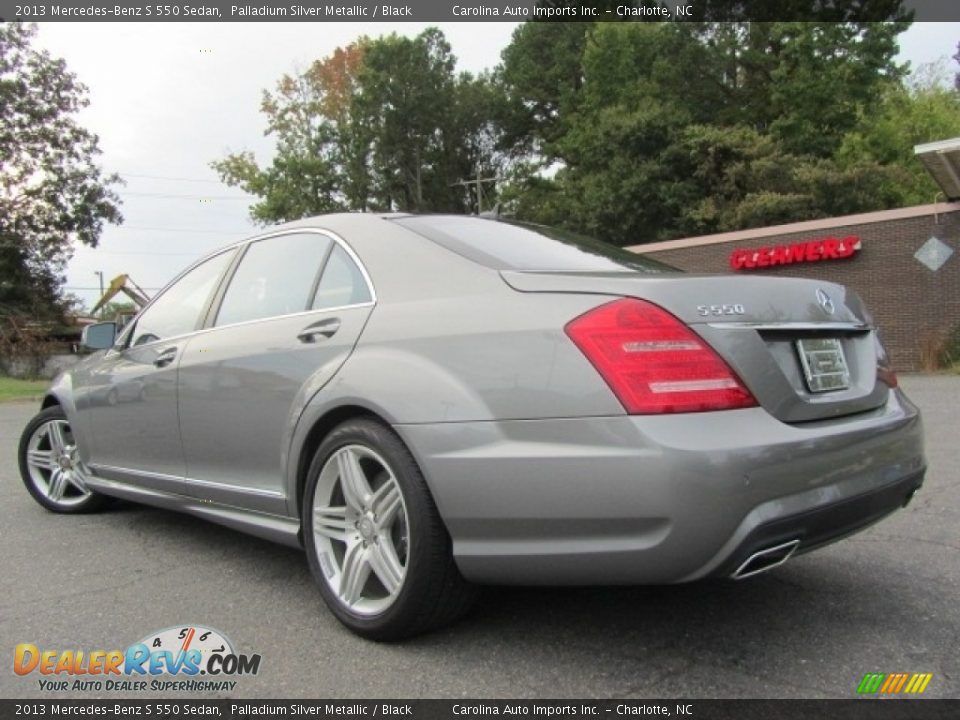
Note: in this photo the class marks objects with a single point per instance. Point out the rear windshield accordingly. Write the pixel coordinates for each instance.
(510, 245)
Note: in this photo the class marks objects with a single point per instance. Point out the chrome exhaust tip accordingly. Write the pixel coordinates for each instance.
(766, 559)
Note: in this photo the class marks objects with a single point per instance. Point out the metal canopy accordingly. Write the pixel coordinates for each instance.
(942, 161)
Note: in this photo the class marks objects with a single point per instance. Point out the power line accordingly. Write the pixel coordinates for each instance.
(74, 287)
(171, 196)
(165, 177)
(134, 252)
(183, 230)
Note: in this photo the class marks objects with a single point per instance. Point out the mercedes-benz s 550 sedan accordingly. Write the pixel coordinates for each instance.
(429, 403)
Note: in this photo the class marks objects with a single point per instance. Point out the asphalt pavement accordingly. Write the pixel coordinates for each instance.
(885, 600)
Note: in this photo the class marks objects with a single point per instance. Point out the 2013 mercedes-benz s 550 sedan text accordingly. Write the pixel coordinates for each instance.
(429, 403)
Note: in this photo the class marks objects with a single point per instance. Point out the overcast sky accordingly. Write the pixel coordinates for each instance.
(167, 98)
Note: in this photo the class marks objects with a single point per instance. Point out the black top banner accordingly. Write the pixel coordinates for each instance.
(480, 10)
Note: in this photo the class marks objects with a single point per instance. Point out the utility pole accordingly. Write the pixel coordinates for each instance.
(99, 274)
(478, 182)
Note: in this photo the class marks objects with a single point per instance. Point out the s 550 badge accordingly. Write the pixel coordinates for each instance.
(707, 310)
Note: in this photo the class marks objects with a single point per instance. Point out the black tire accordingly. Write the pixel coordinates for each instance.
(73, 504)
(433, 592)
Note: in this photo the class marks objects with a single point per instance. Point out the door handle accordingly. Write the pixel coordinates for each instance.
(327, 328)
(165, 358)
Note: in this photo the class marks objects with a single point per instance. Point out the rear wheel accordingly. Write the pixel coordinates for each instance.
(51, 467)
(375, 542)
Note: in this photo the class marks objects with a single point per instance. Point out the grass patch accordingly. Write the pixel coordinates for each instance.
(14, 389)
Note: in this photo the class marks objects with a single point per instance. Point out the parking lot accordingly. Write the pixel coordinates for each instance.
(883, 601)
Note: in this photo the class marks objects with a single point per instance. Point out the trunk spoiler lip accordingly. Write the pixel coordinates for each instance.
(670, 291)
(516, 278)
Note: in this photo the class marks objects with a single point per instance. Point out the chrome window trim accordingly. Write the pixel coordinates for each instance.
(282, 317)
(212, 328)
(241, 246)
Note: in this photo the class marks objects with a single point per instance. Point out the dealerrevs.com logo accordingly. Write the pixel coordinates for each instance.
(189, 658)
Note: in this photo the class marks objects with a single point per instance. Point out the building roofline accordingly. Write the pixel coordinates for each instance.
(951, 144)
(799, 227)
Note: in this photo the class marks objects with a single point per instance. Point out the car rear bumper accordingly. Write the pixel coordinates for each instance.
(819, 526)
(659, 499)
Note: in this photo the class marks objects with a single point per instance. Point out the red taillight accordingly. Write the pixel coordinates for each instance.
(885, 372)
(653, 362)
(887, 376)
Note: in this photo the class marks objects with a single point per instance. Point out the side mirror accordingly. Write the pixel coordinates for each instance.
(99, 336)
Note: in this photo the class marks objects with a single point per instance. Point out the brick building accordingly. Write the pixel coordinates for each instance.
(902, 262)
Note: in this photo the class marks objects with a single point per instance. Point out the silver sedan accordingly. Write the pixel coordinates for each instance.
(429, 403)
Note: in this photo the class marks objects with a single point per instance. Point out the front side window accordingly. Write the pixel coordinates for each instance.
(342, 283)
(275, 277)
(177, 311)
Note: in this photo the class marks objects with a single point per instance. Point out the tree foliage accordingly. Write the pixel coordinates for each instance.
(382, 124)
(663, 130)
(630, 131)
(52, 192)
(924, 109)
(956, 77)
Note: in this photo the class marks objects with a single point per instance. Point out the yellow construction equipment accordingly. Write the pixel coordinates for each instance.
(123, 284)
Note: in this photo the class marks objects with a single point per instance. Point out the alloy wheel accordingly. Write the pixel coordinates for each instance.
(54, 465)
(360, 529)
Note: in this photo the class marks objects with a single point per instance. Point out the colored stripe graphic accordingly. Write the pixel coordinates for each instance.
(923, 679)
(889, 683)
(894, 683)
(870, 683)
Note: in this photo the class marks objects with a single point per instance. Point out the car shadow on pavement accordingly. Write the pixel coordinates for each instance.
(804, 629)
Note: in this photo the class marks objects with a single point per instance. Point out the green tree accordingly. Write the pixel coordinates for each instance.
(52, 192)
(383, 124)
(956, 78)
(540, 75)
(307, 115)
(655, 130)
(408, 92)
(923, 109)
(806, 83)
(740, 178)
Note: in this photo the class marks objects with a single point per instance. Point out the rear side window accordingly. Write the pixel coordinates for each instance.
(507, 245)
(342, 283)
(275, 277)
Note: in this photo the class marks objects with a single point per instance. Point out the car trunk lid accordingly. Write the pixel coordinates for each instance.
(806, 349)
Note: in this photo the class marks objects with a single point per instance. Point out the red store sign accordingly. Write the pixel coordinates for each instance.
(830, 248)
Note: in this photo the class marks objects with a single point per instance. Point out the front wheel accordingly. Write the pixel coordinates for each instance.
(50, 465)
(375, 542)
